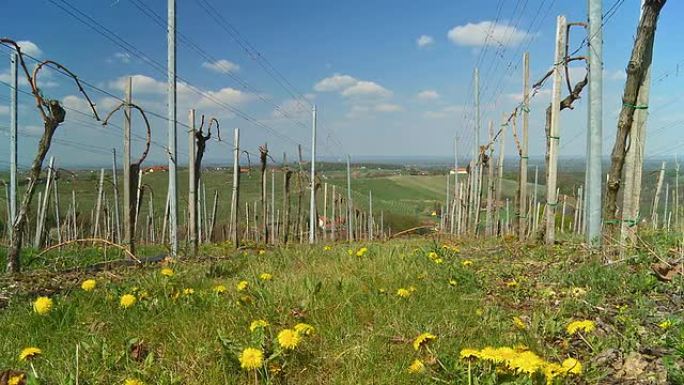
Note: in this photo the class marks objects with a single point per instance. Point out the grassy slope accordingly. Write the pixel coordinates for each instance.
(363, 334)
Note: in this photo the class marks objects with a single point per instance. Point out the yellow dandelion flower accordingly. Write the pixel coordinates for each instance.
(526, 362)
(432, 255)
(512, 283)
(167, 272)
(422, 340)
(571, 365)
(578, 292)
(327, 247)
(434, 214)
(467, 263)
(16, 379)
(127, 300)
(439, 261)
(29, 353)
(304, 329)
(133, 381)
(188, 291)
(262, 252)
(288, 339)
(665, 324)
(519, 323)
(251, 359)
(242, 286)
(265, 277)
(479, 312)
(219, 289)
(551, 370)
(42, 305)
(257, 324)
(403, 293)
(586, 326)
(504, 353)
(88, 285)
(452, 282)
(361, 252)
(416, 367)
(468, 353)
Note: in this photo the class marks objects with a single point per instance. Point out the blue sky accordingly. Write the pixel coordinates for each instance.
(388, 78)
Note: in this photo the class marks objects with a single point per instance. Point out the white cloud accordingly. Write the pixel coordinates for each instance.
(486, 33)
(123, 57)
(425, 41)
(291, 108)
(141, 84)
(428, 95)
(221, 66)
(227, 95)
(366, 88)
(336, 82)
(30, 48)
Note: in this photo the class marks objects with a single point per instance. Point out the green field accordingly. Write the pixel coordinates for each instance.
(485, 294)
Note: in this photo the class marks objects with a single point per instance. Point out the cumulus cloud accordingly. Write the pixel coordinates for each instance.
(425, 41)
(486, 33)
(428, 95)
(30, 48)
(364, 88)
(221, 66)
(336, 82)
(351, 87)
(142, 84)
(387, 107)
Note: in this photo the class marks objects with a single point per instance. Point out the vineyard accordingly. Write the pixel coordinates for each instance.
(199, 220)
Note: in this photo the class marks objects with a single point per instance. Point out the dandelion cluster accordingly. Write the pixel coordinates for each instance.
(523, 361)
(42, 305)
(586, 326)
(88, 285)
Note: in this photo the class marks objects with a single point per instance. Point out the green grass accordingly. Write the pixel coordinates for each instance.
(363, 329)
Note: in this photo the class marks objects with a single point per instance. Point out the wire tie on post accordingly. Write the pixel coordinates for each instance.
(636, 107)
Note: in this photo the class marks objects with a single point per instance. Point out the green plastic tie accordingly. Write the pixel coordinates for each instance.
(554, 137)
(552, 204)
(526, 109)
(636, 107)
(524, 157)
